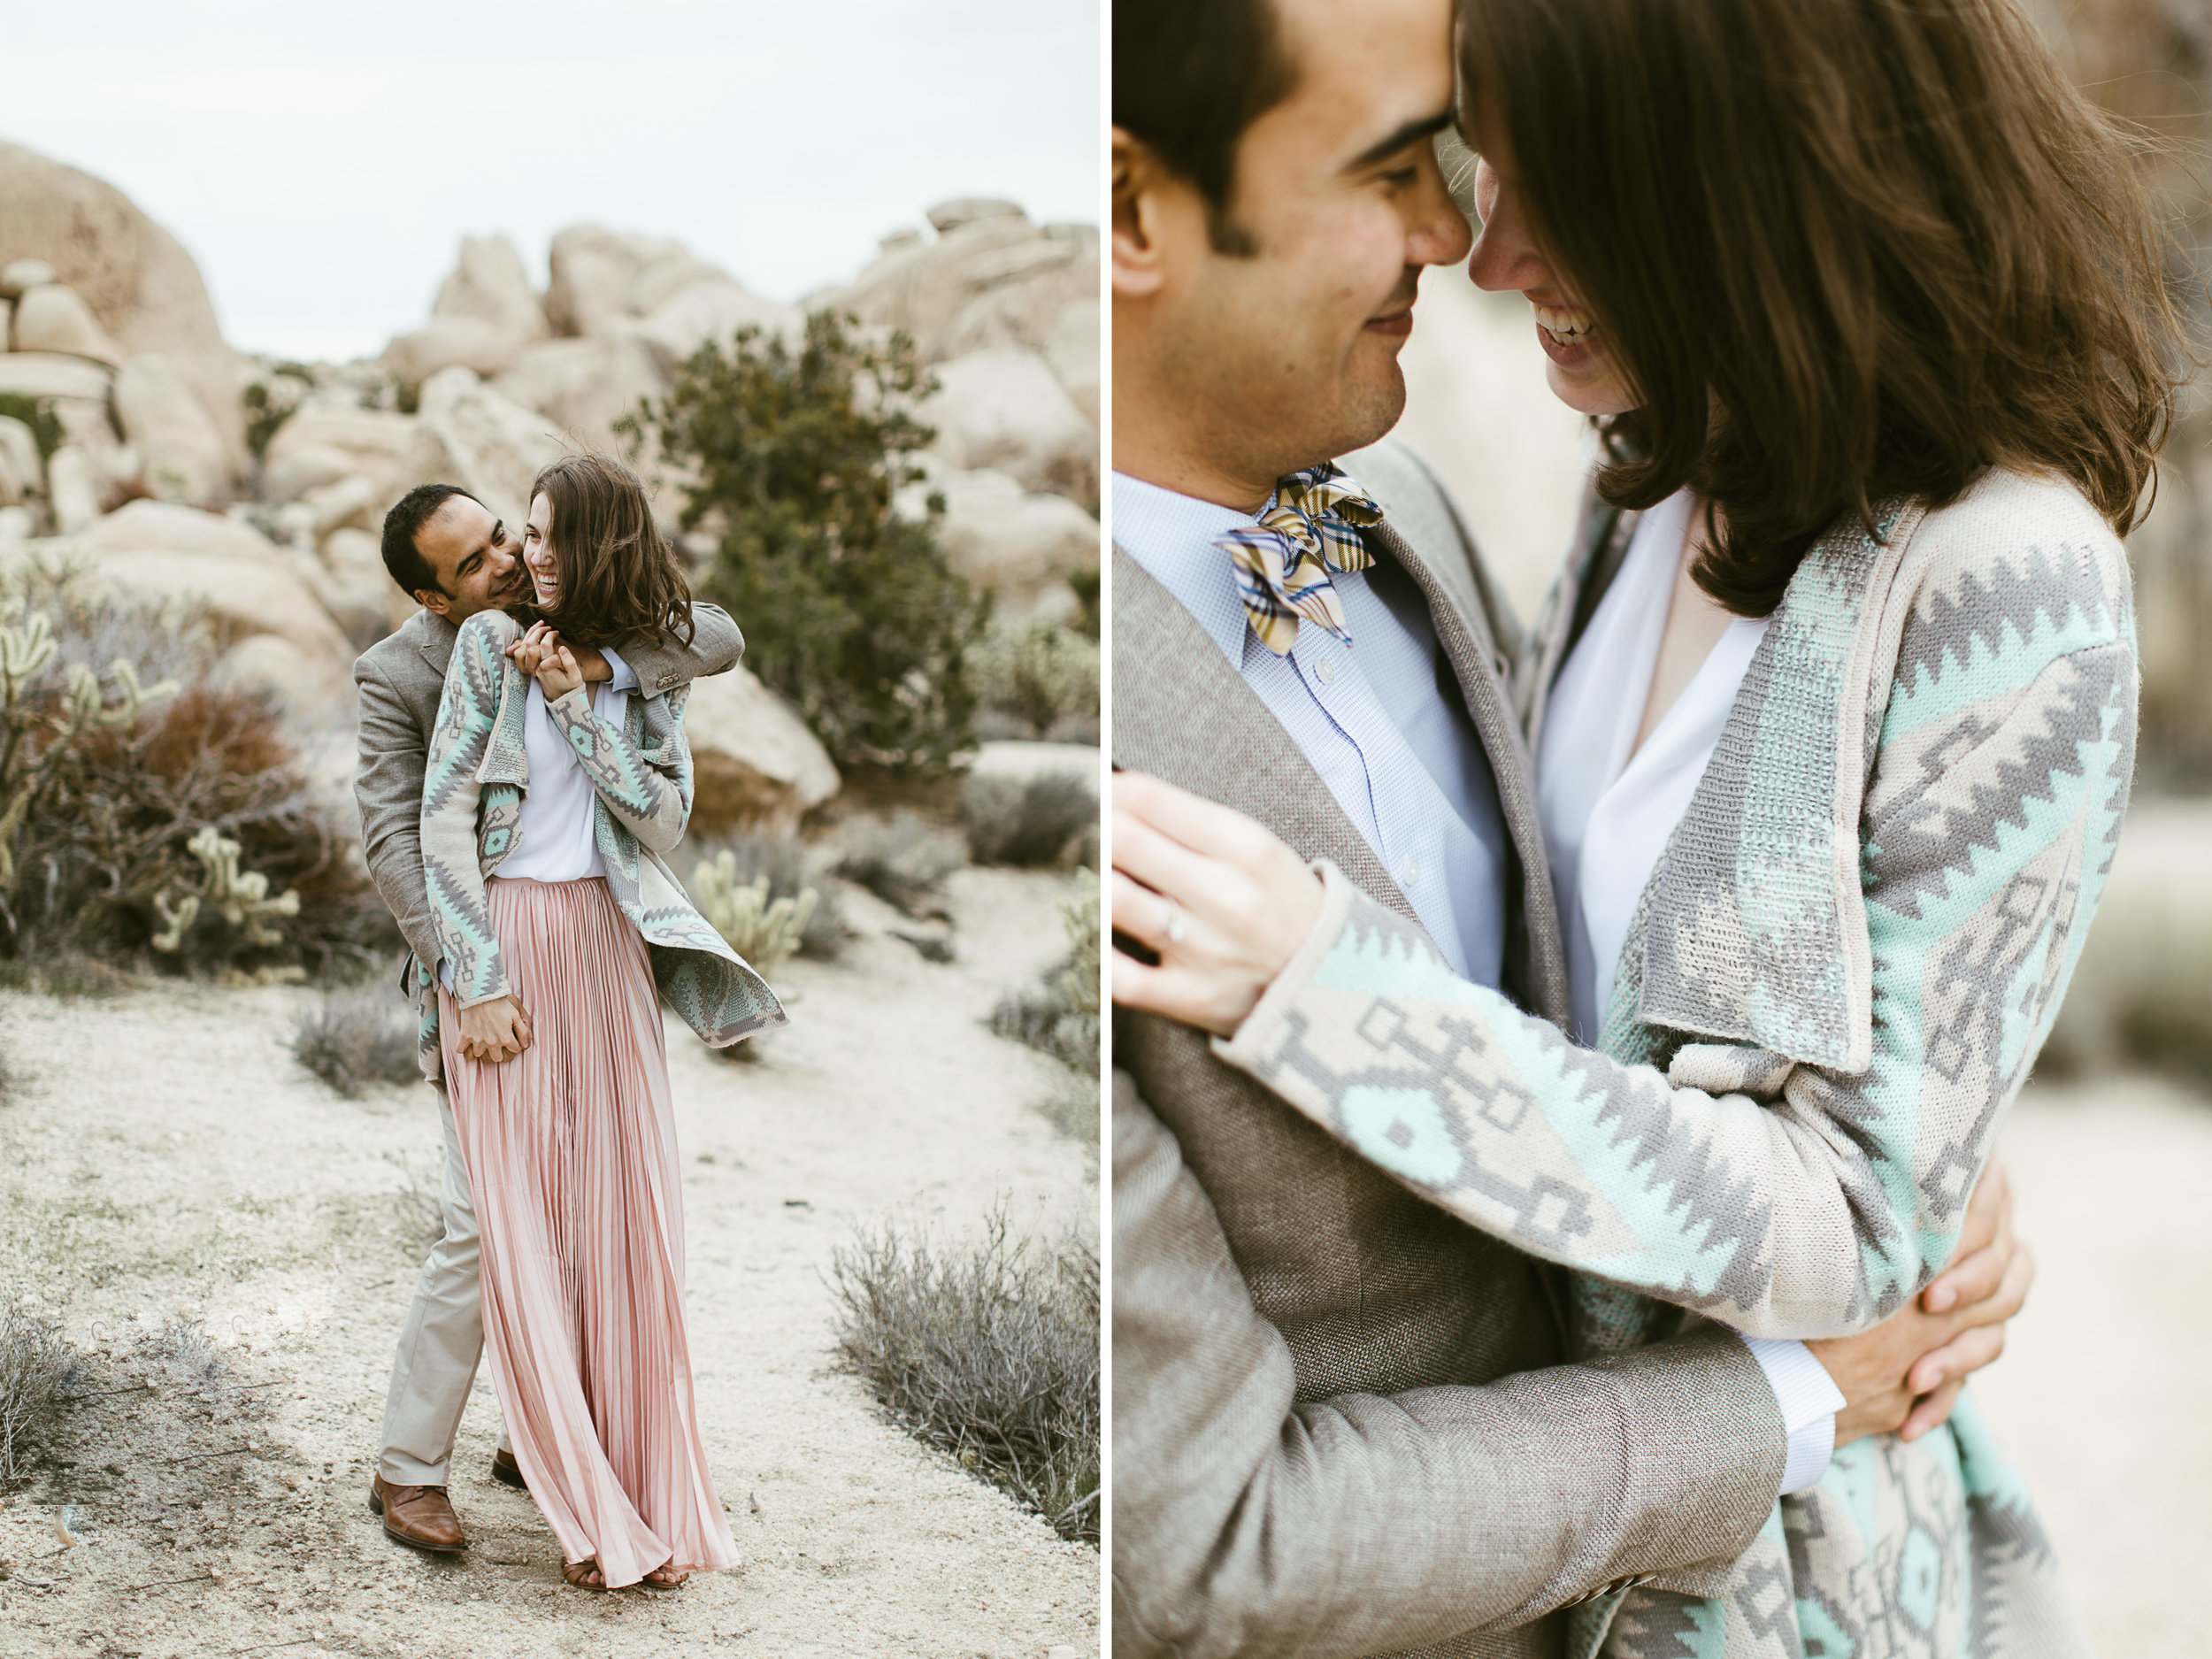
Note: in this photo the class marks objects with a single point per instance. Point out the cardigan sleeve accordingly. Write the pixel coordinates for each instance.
(647, 784)
(1784, 1199)
(452, 791)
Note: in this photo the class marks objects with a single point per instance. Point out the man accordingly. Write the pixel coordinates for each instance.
(1342, 1420)
(455, 557)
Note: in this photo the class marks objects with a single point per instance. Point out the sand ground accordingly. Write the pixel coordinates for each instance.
(162, 1155)
(2100, 1394)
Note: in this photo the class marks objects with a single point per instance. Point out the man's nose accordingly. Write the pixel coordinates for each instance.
(1442, 236)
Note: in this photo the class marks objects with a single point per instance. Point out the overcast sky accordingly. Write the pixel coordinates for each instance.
(322, 161)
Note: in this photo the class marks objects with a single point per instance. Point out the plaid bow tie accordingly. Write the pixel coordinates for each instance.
(1283, 561)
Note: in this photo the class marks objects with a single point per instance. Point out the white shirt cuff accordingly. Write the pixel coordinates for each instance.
(625, 676)
(1810, 1400)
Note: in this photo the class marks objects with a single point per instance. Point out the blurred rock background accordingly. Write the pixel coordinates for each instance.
(147, 465)
(2113, 1140)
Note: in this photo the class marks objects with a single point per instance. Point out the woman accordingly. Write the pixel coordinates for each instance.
(1833, 708)
(548, 813)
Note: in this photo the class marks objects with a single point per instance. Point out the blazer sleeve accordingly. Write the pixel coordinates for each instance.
(452, 791)
(1247, 1524)
(646, 785)
(388, 789)
(1784, 1199)
(662, 663)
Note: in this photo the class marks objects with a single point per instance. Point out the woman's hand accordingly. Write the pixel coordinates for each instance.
(495, 1032)
(558, 671)
(533, 648)
(1221, 902)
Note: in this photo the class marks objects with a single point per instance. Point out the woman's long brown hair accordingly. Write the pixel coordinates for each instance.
(619, 578)
(1843, 250)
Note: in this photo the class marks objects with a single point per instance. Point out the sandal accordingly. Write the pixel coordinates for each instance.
(664, 1577)
(584, 1574)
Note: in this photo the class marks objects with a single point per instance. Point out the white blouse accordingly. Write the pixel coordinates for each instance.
(1607, 814)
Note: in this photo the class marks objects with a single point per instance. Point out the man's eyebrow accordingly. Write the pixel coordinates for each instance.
(1412, 133)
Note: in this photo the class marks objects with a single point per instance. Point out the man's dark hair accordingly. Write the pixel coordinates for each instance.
(1189, 77)
(402, 557)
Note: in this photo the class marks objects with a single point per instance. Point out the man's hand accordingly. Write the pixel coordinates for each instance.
(1904, 1375)
(495, 1032)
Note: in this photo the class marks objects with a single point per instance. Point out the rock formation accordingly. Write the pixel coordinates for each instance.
(134, 418)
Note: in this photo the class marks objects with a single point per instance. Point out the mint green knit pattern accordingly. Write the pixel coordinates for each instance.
(1833, 989)
(642, 780)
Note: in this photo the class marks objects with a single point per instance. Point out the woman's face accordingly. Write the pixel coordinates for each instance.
(537, 553)
(1582, 373)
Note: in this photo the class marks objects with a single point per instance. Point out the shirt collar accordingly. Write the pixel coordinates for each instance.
(1173, 536)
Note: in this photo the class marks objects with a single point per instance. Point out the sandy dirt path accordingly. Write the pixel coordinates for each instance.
(2100, 1394)
(163, 1154)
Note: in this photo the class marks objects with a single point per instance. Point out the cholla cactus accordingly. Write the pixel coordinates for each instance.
(765, 934)
(241, 896)
(27, 646)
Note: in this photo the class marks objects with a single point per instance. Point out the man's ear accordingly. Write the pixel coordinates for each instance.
(1138, 180)
(430, 601)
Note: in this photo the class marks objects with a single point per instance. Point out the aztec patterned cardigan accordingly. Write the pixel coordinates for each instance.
(1834, 987)
(471, 811)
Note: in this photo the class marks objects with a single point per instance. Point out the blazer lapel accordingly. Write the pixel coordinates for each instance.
(433, 639)
(1462, 626)
(1181, 712)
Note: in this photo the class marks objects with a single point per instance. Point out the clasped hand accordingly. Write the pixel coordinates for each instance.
(540, 652)
(495, 1031)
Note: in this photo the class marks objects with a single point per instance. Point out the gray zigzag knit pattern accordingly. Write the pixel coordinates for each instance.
(642, 784)
(1837, 982)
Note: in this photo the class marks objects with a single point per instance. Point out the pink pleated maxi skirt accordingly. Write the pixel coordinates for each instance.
(572, 1158)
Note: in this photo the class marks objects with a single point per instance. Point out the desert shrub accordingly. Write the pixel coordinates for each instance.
(272, 400)
(151, 817)
(37, 1365)
(1085, 584)
(418, 1205)
(852, 611)
(790, 869)
(38, 414)
(987, 1351)
(1050, 818)
(903, 859)
(1041, 682)
(358, 1036)
(1061, 1016)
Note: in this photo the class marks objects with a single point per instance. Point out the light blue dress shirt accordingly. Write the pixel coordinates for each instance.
(1382, 719)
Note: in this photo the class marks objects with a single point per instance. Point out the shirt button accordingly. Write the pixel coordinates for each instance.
(1325, 671)
(1412, 872)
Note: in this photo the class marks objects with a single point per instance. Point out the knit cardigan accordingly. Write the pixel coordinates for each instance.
(1836, 982)
(641, 785)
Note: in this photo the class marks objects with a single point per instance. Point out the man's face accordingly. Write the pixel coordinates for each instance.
(1286, 353)
(477, 561)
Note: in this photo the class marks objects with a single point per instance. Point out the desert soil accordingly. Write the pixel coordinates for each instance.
(162, 1155)
(2100, 1394)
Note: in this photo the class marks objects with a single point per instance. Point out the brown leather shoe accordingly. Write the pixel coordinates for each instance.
(419, 1516)
(506, 1471)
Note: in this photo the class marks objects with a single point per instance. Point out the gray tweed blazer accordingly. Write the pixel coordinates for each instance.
(400, 679)
(1345, 1423)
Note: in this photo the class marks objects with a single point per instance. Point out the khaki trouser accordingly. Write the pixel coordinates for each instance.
(442, 1340)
